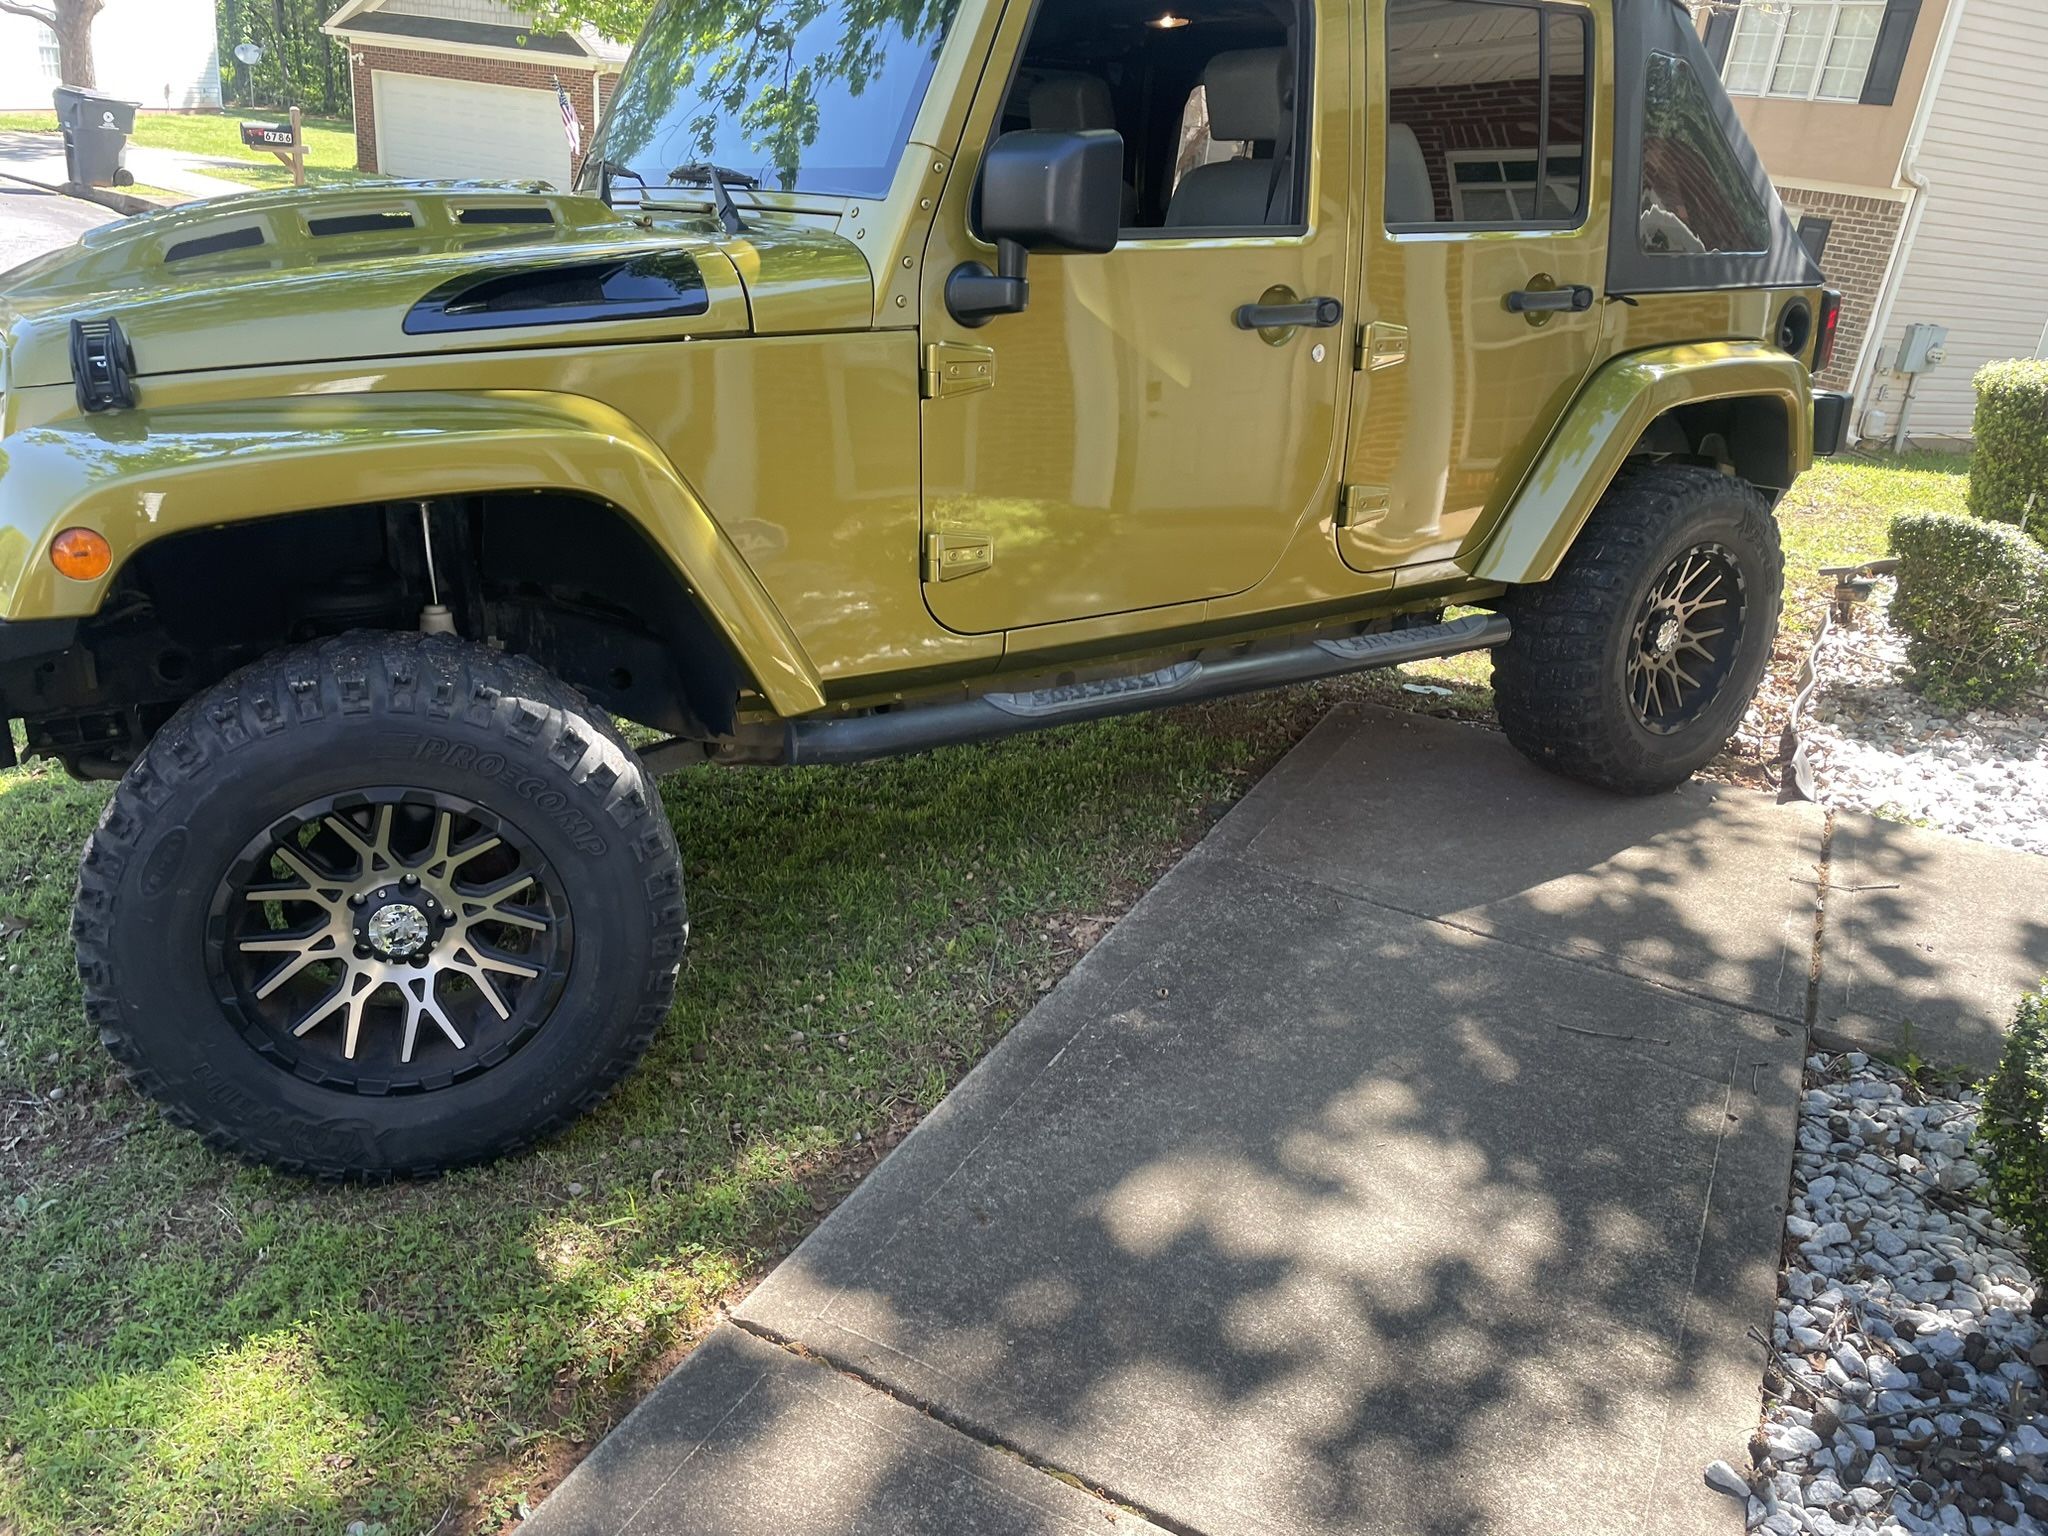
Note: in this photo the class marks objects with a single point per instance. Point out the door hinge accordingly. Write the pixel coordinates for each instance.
(1364, 505)
(949, 556)
(957, 368)
(1381, 345)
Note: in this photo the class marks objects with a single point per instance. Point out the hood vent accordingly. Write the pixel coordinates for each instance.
(215, 245)
(660, 285)
(360, 224)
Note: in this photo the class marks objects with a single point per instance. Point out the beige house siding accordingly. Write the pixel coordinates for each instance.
(1978, 262)
(1839, 143)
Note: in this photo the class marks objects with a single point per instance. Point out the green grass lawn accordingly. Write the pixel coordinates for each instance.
(189, 1345)
(330, 143)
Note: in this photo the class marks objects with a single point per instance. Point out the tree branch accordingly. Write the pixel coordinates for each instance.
(47, 15)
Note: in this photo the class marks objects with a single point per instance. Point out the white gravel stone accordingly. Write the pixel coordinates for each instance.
(1925, 1307)
(1877, 746)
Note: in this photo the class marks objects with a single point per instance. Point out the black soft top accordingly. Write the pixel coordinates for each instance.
(1657, 47)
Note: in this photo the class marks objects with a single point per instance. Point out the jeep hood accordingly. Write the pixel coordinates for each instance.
(278, 279)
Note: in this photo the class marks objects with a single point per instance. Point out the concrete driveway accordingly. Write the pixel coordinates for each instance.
(1413, 1159)
(34, 220)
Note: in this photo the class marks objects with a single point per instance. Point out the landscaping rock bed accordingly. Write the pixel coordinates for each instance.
(1905, 1394)
(1877, 746)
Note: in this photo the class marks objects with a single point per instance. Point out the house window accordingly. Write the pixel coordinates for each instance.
(1811, 50)
(49, 55)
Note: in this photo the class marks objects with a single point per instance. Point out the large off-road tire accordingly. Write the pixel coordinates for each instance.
(1633, 666)
(381, 906)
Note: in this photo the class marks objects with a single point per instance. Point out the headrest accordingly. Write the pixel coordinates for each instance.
(1072, 104)
(1250, 94)
(1410, 197)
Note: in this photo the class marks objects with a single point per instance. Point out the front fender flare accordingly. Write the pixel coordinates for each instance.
(143, 475)
(1609, 418)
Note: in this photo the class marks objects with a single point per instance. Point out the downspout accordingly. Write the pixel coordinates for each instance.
(1915, 178)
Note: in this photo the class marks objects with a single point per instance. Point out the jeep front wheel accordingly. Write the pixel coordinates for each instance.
(1633, 666)
(385, 905)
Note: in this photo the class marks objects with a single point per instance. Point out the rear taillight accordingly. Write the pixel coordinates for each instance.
(1830, 329)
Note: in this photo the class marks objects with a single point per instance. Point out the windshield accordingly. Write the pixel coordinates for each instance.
(802, 95)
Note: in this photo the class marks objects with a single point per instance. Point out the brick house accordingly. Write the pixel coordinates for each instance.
(466, 88)
(1905, 137)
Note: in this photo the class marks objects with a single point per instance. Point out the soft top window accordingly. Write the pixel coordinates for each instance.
(1696, 198)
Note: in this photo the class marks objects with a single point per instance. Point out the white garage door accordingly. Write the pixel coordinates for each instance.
(431, 129)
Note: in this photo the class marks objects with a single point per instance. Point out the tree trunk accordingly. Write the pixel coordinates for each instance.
(74, 41)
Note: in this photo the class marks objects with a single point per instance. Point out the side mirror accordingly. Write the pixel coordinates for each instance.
(1039, 192)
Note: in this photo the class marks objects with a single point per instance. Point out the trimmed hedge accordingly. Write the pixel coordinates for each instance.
(2009, 476)
(1973, 603)
(2014, 1128)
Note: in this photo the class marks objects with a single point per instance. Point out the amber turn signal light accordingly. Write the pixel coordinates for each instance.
(82, 554)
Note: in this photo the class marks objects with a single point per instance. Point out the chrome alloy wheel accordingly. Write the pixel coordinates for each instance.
(1686, 639)
(389, 941)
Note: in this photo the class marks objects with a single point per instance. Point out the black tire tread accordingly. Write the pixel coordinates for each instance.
(1549, 690)
(367, 673)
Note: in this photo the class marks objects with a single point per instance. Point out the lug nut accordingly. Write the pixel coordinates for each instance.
(362, 951)
(410, 881)
(358, 899)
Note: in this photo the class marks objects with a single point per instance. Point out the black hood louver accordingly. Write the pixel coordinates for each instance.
(660, 286)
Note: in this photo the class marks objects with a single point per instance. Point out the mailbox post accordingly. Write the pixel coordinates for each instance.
(287, 141)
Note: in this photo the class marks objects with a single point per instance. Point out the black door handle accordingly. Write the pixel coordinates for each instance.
(1536, 301)
(1322, 314)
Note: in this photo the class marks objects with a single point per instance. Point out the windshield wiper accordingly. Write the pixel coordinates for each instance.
(717, 178)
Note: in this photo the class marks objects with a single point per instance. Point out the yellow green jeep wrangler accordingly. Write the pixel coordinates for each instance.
(901, 373)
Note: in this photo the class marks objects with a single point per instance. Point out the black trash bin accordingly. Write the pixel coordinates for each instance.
(96, 128)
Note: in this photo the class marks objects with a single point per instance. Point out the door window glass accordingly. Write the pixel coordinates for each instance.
(1696, 199)
(1486, 113)
(1213, 108)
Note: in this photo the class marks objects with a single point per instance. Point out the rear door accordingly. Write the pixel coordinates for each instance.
(1485, 258)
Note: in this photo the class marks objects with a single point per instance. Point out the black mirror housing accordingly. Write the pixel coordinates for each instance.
(1054, 191)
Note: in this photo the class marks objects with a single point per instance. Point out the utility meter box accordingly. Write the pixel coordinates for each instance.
(1922, 349)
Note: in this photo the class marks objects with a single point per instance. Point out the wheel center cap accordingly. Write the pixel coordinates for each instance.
(1665, 640)
(399, 931)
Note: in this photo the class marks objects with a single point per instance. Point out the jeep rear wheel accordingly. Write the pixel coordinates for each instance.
(1633, 666)
(386, 905)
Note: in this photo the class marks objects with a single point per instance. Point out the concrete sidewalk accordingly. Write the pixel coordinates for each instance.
(38, 159)
(1411, 1160)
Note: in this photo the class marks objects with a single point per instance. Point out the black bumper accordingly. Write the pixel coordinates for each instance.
(1830, 422)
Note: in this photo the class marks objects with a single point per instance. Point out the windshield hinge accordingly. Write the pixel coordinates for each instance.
(957, 368)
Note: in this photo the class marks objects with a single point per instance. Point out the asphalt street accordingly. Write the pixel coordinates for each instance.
(33, 221)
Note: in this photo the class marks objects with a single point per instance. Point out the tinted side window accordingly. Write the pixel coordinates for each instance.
(1696, 200)
(1487, 114)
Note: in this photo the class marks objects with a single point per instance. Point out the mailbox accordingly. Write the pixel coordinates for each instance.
(269, 136)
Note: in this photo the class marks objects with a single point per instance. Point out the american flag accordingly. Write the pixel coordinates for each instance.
(572, 125)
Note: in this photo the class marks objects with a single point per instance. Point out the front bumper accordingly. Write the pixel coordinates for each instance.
(1830, 422)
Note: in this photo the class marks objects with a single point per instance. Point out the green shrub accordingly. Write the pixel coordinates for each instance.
(2014, 1128)
(2009, 478)
(1973, 602)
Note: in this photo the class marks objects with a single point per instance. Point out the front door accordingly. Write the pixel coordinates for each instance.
(1486, 254)
(1127, 443)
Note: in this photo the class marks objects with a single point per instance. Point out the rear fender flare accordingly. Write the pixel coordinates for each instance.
(143, 475)
(1606, 421)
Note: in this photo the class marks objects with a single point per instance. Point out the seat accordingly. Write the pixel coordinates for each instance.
(1075, 103)
(1411, 197)
(1250, 101)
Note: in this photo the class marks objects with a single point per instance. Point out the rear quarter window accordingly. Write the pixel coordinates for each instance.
(1696, 199)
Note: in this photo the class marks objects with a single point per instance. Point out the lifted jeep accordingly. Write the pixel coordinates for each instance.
(935, 371)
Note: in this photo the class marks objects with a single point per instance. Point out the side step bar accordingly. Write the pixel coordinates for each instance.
(861, 738)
